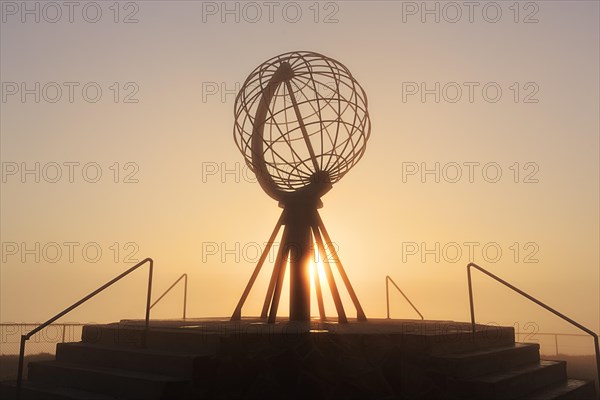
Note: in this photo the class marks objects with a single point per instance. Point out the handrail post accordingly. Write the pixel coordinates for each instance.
(597, 345)
(185, 285)
(21, 361)
(148, 300)
(387, 295)
(471, 298)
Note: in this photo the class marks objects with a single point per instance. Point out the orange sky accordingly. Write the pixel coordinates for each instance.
(182, 64)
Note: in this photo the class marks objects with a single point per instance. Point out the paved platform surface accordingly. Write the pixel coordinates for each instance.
(372, 326)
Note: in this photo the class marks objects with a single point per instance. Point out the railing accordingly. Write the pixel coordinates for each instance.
(388, 279)
(536, 301)
(555, 335)
(26, 337)
(185, 286)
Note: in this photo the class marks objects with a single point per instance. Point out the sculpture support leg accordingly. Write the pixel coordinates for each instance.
(280, 266)
(359, 311)
(237, 314)
(274, 274)
(339, 306)
(280, 263)
(317, 279)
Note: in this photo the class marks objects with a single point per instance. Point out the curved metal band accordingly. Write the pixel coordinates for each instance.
(283, 74)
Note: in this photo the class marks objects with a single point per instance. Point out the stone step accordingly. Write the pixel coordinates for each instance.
(572, 389)
(44, 391)
(486, 361)
(142, 360)
(170, 340)
(450, 342)
(111, 381)
(511, 384)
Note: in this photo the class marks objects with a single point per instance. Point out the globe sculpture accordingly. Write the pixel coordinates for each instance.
(301, 123)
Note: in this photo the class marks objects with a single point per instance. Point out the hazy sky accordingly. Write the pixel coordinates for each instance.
(507, 88)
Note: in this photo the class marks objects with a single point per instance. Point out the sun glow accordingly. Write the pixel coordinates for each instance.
(318, 276)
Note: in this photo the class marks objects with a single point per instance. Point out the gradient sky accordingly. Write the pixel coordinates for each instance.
(177, 130)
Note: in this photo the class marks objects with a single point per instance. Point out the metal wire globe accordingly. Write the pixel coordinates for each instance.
(300, 115)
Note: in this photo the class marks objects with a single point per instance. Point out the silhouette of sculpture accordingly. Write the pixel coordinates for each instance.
(301, 122)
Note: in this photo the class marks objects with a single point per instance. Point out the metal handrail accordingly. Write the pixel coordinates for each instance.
(536, 301)
(26, 337)
(185, 286)
(388, 279)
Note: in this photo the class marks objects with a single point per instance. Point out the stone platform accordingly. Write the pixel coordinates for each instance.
(211, 335)
(251, 359)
